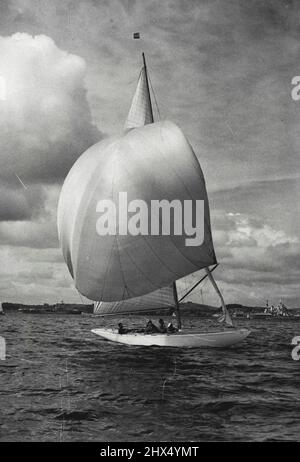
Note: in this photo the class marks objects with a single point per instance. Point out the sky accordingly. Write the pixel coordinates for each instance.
(221, 70)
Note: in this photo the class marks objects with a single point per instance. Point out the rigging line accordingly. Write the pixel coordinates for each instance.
(201, 288)
(155, 100)
(196, 292)
(197, 283)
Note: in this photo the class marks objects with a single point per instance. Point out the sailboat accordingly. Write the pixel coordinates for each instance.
(137, 272)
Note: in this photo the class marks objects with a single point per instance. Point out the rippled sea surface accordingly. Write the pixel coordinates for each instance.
(60, 382)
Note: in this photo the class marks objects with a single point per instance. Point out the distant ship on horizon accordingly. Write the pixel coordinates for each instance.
(279, 311)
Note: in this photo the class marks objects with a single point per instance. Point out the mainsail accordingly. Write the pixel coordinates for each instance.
(159, 299)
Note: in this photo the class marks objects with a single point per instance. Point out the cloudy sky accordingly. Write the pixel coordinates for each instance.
(221, 70)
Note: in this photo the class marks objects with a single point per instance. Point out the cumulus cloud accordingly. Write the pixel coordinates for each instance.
(45, 124)
(44, 119)
(247, 232)
(38, 229)
(20, 203)
(259, 261)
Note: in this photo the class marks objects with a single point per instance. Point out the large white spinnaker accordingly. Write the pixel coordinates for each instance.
(150, 163)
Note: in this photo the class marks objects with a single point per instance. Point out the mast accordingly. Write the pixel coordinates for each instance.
(148, 88)
(177, 310)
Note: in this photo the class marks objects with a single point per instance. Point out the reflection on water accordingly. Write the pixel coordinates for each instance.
(60, 382)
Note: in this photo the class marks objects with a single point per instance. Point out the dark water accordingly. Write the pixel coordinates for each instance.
(60, 382)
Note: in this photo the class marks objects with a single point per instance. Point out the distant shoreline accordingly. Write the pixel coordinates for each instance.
(188, 309)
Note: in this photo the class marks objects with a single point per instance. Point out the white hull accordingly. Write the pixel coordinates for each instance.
(180, 339)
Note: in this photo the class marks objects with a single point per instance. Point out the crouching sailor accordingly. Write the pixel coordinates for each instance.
(151, 328)
(121, 329)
